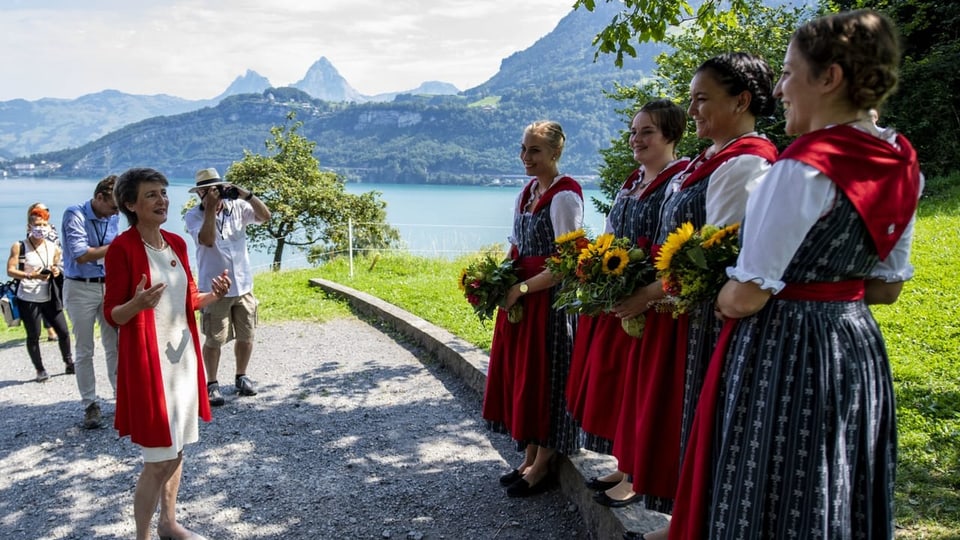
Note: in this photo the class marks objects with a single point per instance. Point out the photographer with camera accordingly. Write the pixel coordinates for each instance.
(218, 226)
(35, 262)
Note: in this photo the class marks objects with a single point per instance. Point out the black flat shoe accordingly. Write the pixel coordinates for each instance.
(521, 488)
(604, 499)
(630, 535)
(600, 485)
(509, 478)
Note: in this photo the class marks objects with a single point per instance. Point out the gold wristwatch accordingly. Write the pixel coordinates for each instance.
(524, 287)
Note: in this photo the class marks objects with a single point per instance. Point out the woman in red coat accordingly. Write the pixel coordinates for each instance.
(150, 297)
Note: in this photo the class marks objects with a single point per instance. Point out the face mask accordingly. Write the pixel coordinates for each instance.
(38, 232)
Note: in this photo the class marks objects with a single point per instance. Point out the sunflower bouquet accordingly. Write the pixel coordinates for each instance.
(692, 264)
(563, 263)
(607, 270)
(485, 282)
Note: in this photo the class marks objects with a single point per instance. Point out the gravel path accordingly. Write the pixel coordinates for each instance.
(351, 436)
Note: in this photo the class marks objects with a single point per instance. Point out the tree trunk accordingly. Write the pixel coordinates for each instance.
(277, 255)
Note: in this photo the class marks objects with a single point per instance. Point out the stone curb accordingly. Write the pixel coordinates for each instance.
(470, 364)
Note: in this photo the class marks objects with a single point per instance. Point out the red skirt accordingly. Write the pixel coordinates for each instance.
(595, 386)
(518, 392)
(647, 440)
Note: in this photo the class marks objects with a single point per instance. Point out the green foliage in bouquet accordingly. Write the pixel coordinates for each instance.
(692, 264)
(485, 282)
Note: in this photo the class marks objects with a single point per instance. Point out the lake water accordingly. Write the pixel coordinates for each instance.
(436, 221)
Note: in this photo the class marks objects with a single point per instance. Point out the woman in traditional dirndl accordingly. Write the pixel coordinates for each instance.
(795, 434)
(601, 348)
(530, 359)
(727, 94)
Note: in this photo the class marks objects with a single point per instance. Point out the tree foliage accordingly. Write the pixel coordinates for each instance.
(759, 29)
(926, 106)
(310, 208)
(650, 20)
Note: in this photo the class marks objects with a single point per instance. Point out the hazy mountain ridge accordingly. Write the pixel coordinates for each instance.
(467, 138)
(28, 127)
(250, 82)
(51, 124)
(323, 81)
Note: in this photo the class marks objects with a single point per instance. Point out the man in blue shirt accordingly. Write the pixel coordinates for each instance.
(86, 232)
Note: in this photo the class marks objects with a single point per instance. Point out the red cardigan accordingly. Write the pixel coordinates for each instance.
(141, 405)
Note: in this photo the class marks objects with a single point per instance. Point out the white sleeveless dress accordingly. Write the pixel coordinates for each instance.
(178, 359)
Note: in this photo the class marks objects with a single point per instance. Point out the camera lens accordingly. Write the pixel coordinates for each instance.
(229, 192)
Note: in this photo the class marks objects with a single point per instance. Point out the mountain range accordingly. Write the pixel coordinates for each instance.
(45, 125)
(433, 133)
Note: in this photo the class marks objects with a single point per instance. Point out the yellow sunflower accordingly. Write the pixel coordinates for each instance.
(570, 236)
(718, 236)
(601, 244)
(462, 282)
(584, 256)
(615, 261)
(673, 243)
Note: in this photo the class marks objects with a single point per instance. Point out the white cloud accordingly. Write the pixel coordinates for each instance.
(195, 48)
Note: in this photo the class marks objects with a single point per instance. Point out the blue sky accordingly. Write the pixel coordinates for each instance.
(195, 48)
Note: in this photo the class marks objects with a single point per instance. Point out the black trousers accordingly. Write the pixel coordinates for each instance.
(31, 314)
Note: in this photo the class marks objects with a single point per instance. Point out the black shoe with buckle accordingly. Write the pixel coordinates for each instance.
(597, 484)
(508, 479)
(601, 497)
(522, 488)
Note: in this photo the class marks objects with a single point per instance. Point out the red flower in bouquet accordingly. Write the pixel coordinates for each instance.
(485, 282)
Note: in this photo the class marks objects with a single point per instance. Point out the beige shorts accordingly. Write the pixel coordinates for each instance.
(233, 317)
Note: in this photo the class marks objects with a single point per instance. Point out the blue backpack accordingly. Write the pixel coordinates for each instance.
(8, 294)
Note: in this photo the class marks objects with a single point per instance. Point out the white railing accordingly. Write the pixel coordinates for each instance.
(429, 240)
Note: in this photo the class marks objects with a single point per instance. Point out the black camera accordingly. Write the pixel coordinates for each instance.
(229, 192)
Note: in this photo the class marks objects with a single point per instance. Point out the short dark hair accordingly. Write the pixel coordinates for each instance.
(105, 185)
(668, 117)
(739, 71)
(128, 187)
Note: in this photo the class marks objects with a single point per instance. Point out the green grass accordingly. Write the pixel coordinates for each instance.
(491, 101)
(426, 287)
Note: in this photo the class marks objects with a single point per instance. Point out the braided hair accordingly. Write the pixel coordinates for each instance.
(742, 71)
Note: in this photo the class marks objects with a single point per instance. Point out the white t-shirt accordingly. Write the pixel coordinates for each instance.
(36, 259)
(230, 249)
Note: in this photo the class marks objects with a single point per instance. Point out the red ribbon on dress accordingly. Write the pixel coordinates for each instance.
(691, 507)
(850, 290)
